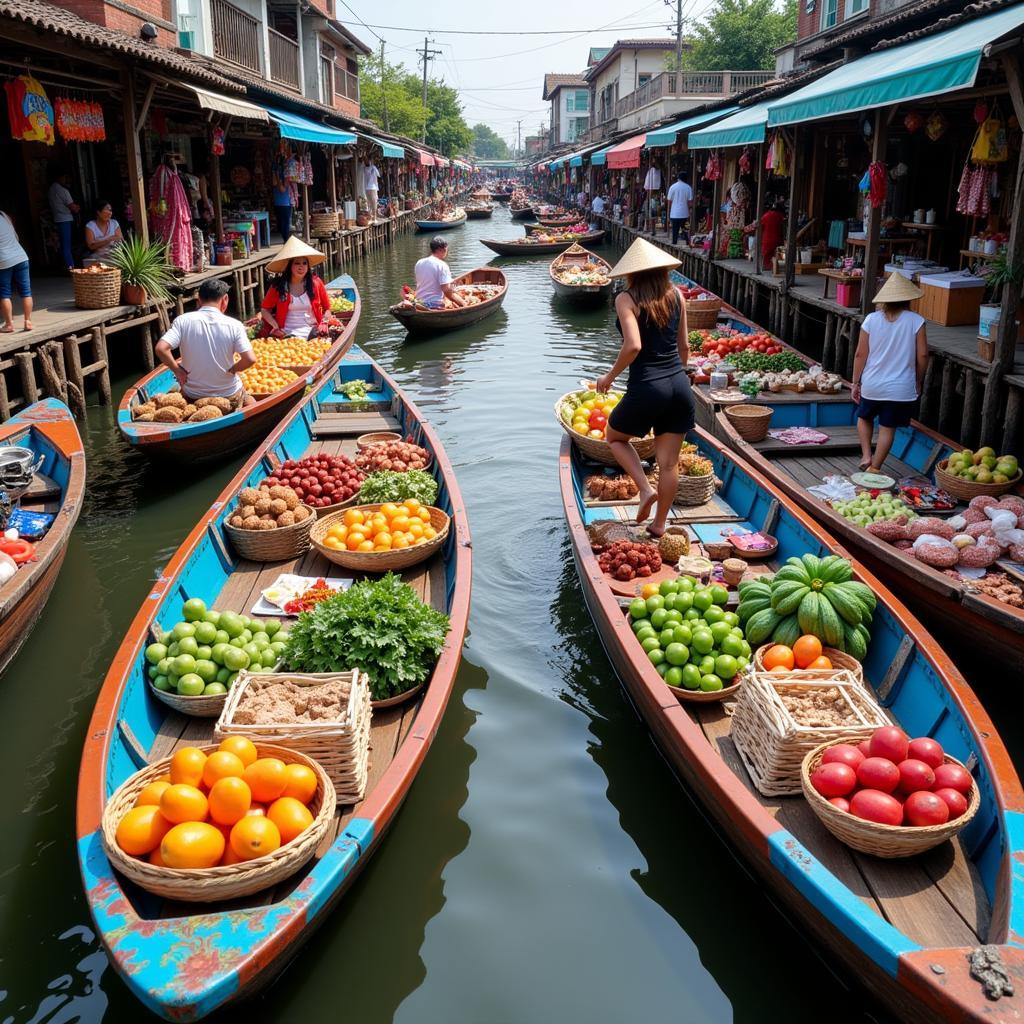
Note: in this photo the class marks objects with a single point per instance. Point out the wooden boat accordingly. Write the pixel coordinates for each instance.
(420, 320)
(559, 222)
(481, 212)
(443, 225)
(48, 430)
(904, 927)
(502, 197)
(537, 228)
(185, 960)
(521, 247)
(238, 431)
(577, 256)
(521, 212)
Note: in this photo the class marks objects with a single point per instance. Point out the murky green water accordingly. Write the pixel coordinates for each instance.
(547, 866)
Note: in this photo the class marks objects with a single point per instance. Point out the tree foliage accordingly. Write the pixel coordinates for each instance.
(488, 144)
(740, 35)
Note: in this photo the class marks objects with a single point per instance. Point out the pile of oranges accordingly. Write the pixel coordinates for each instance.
(392, 526)
(807, 652)
(289, 351)
(264, 380)
(223, 808)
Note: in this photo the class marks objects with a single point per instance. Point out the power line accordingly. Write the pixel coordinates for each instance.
(428, 55)
(482, 32)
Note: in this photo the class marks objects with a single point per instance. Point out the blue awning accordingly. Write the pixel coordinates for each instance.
(925, 67)
(667, 136)
(388, 149)
(599, 158)
(301, 129)
(742, 128)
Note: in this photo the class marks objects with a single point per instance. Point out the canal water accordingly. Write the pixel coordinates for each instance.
(547, 866)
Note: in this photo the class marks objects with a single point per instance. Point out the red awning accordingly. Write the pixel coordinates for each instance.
(440, 161)
(426, 159)
(627, 154)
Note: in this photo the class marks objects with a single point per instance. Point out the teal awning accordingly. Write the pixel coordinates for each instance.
(742, 128)
(301, 129)
(667, 136)
(925, 67)
(576, 161)
(388, 149)
(598, 159)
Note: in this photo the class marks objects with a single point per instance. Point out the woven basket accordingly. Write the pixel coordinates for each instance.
(340, 746)
(196, 707)
(277, 545)
(323, 223)
(380, 561)
(377, 437)
(705, 697)
(771, 743)
(210, 885)
(879, 840)
(695, 490)
(967, 489)
(702, 314)
(839, 660)
(98, 289)
(601, 451)
(750, 421)
(400, 698)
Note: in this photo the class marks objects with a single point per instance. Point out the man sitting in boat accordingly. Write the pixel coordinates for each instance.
(209, 341)
(297, 300)
(434, 278)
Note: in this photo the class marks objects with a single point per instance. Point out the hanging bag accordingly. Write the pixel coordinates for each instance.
(990, 146)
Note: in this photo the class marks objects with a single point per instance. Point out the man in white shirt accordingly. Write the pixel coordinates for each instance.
(371, 179)
(434, 277)
(598, 205)
(63, 209)
(209, 342)
(680, 195)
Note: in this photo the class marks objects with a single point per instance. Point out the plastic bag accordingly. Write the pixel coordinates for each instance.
(990, 146)
(1004, 526)
(834, 488)
(935, 551)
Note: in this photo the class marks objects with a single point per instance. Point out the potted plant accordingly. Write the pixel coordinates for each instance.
(145, 272)
(999, 273)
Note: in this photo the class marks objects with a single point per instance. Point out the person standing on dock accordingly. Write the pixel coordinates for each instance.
(209, 341)
(371, 183)
(63, 209)
(434, 277)
(680, 195)
(13, 273)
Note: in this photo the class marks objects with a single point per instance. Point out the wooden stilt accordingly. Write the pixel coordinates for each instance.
(100, 363)
(146, 338)
(23, 360)
(929, 391)
(759, 212)
(134, 169)
(971, 426)
(950, 412)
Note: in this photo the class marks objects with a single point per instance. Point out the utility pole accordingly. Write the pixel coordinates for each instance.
(427, 55)
(519, 139)
(384, 88)
(678, 4)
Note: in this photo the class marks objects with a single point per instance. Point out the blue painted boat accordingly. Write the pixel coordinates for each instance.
(904, 928)
(183, 961)
(443, 225)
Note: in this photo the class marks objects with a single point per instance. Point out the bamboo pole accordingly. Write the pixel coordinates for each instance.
(759, 213)
(878, 148)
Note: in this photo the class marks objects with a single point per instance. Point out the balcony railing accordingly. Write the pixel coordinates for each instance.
(236, 36)
(284, 59)
(688, 84)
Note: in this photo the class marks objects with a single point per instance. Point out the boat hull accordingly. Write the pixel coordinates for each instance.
(522, 213)
(436, 321)
(479, 214)
(580, 293)
(542, 249)
(440, 225)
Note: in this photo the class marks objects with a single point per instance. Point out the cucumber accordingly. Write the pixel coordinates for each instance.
(760, 626)
(786, 596)
(855, 644)
(753, 588)
(807, 614)
(835, 570)
(830, 623)
(848, 606)
(793, 573)
(812, 564)
(863, 593)
(787, 631)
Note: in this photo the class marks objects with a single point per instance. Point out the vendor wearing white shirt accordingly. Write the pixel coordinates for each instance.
(680, 195)
(598, 205)
(209, 341)
(434, 277)
(371, 179)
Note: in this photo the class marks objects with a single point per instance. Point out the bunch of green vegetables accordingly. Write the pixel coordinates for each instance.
(386, 485)
(354, 389)
(748, 360)
(378, 626)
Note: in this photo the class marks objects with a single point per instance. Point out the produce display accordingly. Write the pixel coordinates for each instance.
(587, 412)
(379, 625)
(319, 480)
(866, 509)
(289, 592)
(589, 274)
(387, 485)
(693, 464)
(694, 293)
(627, 560)
(809, 595)
(390, 527)
(611, 488)
(268, 507)
(776, 362)
(806, 653)
(355, 389)
(548, 236)
(265, 380)
(692, 641)
(341, 304)
(273, 352)
(400, 456)
(754, 382)
(202, 654)
(173, 407)
(310, 597)
(470, 294)
(982, 466)
(721, 342)
(223, 808)
(892, 779)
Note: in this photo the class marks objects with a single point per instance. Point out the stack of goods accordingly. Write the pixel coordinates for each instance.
(474, 294)
(290, 353)
(866, 509)
(587, 412)
(268, 507)
(690, 638)
(399, 456)
(173, 407)
(801, 380)
(588, 274)
(319, 480)
(265, 380)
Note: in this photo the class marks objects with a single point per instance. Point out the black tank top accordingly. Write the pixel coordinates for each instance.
(659, 350)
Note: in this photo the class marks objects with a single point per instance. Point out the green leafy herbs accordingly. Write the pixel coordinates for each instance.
(749, 360)
(385, 485)
(354, 389)
(378, 626)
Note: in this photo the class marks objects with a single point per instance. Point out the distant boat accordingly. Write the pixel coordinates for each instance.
(419, 320)
(523, 247)
(577, 256)
(455, 221)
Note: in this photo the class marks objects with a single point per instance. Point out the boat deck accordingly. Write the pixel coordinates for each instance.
(389, 726)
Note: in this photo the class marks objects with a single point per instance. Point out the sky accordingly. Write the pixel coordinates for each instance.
(500, 78)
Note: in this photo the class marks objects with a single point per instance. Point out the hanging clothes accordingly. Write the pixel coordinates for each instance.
(171, 216)
(652, 183)
(878, 176)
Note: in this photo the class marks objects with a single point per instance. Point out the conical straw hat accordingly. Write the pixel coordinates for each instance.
(294, 248)
(641, 255)
(898, 289)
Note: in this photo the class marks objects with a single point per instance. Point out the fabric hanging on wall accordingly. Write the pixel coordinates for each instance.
(78, 121)
(879, 177)
(652, 183)
(29, 110)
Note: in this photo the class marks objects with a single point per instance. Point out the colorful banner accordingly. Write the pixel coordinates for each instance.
(29, 110)
(78, 121)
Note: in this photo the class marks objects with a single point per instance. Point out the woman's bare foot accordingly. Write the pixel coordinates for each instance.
(643, 510)
(865, 464)
(28, 325)
(7, 329)
(655, 531)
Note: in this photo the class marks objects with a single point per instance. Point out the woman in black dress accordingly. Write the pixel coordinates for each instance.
(652, 322)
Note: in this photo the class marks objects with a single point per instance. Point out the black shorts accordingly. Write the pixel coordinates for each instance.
(889, 414)
(664, 405)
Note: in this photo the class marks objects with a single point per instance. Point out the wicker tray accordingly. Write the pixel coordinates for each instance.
(695, 490)
(967, 489)
(703, 696)
(209, 885)
(380, 561)
(879, 840)
(839, 659)
(377, 437)
(750, 421)
(322, 513)
(341, 746)
(773, 746)
(277, 545)
(702, 314)
(601, 451)
(99, 289)
(400, 698)
(196, 707)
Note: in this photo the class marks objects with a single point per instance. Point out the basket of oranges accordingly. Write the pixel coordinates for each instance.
(216, 823)
(379, 538)
(583, 415)
(262, 380)
(295, 354)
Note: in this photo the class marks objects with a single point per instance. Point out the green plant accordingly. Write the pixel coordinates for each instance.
(144, 265)
(1000, 272)
(386, 485)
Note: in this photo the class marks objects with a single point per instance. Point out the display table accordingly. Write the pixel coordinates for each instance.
(262, 221)
(846, 293)
(929, 233)
(890, 244)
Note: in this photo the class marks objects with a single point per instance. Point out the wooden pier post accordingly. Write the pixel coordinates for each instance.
(28, 376)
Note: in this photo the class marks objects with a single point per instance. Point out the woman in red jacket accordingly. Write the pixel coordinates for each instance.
(297, 300)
